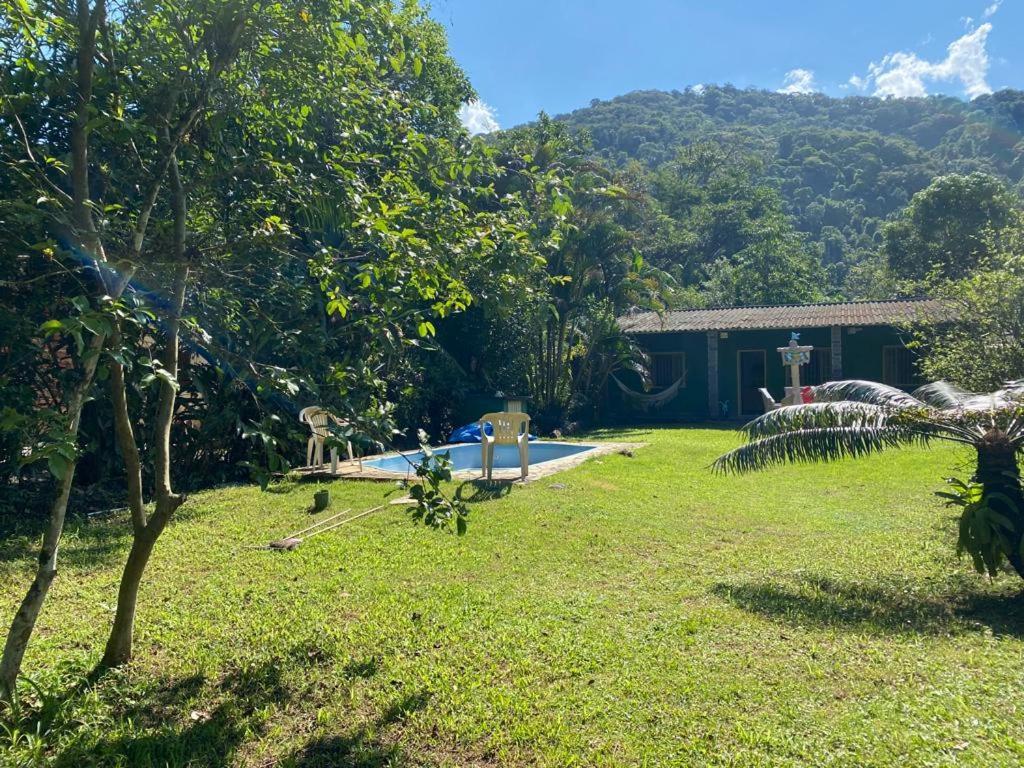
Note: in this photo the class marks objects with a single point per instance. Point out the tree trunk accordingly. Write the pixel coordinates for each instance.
(125, 437)
(146, 532)
(87, 22)
(999, 476)
(119, 644)
(46, 569)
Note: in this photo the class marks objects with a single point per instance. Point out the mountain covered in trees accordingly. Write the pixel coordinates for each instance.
(837, 168)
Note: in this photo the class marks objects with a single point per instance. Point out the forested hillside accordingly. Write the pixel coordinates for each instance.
(841, 166)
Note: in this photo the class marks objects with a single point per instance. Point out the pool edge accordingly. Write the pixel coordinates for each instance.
(351, 470)
(589, 447)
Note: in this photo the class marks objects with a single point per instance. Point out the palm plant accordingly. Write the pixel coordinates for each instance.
(854, 418)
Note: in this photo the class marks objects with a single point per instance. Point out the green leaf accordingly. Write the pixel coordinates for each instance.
(337, 306)
(58, 465)
(51, 326)
(96, 324)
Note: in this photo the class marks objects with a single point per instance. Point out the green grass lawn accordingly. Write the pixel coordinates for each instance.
(631, 611)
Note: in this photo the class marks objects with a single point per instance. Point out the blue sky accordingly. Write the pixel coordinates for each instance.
(526, 55)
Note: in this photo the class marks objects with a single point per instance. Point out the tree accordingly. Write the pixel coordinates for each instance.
(848, 164)
(856, 418)
(588, 227)
(307, 212)
(61, 82)
(982, 343)
(946, 229)
(775, 268)
(394, 216)
(726, 235)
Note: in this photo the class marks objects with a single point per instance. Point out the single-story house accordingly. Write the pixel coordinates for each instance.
(711, 363)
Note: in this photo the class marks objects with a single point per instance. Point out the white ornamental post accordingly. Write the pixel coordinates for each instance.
(794, 356)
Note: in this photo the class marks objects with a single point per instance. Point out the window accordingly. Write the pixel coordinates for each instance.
(819, 369)
(667, 369)
(897, 367)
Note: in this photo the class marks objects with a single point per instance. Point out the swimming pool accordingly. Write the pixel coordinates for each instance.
(466, 457)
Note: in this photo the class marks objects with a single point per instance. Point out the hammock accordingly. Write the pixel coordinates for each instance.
(648, 401)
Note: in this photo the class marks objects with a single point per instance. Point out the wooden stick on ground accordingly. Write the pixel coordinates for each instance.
(288, 543)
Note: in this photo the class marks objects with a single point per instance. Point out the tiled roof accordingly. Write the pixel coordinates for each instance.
(785, 317)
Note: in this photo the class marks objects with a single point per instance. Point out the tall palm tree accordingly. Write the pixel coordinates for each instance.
(854, 418)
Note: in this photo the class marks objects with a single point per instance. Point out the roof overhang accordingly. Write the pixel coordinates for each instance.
(897, 312)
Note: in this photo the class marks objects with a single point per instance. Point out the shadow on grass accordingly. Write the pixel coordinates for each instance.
(483, 490)
(863, 606)
(85, 543)
(195, 722)
(362, 669)
(629, 430)
(208, 736)
(283, 488)
(363, 747)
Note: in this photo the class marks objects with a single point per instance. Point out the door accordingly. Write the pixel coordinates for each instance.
(752, 372)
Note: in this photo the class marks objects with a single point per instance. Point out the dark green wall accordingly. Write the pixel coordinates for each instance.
(769, 341)
(862, 359)
(691, 402)
(862, 351)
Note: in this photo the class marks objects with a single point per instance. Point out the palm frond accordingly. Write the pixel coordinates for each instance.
(946, 396)
(812, 445)
(1012, 392)
(859, 391)
(1015, 430)
(942, 394)
(843, 413)
(1001, 399)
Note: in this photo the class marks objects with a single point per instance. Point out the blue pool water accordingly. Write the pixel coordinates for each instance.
(467, 457)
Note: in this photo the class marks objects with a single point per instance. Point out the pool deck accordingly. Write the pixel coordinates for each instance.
(350, 470)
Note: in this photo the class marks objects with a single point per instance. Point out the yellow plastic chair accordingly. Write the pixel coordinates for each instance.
(506, 429)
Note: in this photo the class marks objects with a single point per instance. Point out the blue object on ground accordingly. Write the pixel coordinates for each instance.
(470, 433)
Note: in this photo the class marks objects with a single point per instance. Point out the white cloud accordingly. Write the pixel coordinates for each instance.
(698, 88)
(903, 75)
(991, 10)
(860, 83)
(478, 117)
(798, 81)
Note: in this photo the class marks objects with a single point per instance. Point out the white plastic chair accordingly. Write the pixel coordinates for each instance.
(506, 429)
(768, 400)
(318, 418)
